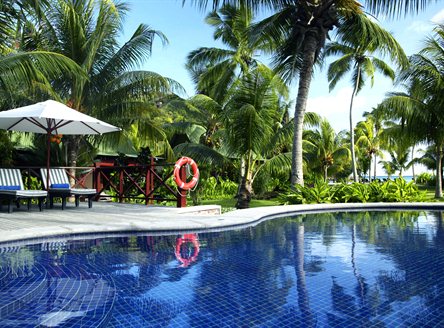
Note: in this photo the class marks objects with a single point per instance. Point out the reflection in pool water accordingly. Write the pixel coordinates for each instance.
(380, 269)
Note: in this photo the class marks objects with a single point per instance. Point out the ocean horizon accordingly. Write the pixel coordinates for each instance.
(407, 178)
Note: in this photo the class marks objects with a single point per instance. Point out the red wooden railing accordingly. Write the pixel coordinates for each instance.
(143, 183)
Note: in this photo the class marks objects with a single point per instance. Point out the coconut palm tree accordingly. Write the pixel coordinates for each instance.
(419, 107)
(214, 70)
(111, 88)
(249, 119)
(22, 70)
(251, 129)
(326, 149)
(13, 14)
(389, 7)
(369, 140)
(399, 158)
(301, 28)
(360, 39)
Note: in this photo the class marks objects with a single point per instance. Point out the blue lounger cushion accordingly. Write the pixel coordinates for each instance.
(60, 185)
(9, 187)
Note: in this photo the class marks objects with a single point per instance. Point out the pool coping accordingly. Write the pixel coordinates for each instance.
(123, 219)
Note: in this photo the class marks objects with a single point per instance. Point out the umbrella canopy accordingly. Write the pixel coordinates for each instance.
(52, 117)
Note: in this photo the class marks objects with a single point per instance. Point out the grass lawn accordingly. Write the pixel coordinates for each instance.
(229, 204)
(430, 193)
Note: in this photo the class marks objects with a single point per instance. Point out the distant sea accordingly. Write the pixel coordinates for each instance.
(407, 178)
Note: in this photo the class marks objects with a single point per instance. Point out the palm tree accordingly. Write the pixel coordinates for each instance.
(399, 158)
(386, 7)
(388, 168)
(22, 69)
(368, 134)
(13, 14)
(249, 120)
(214, 70)
(326, 149)
(428, 158)
(250, 130)
(301, 28)
(419, 108)
(111, 88)
(360, 38)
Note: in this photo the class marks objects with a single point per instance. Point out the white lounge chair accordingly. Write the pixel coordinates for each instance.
(59, 187)
(13, 190)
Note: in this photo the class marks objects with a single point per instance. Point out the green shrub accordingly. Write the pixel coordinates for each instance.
(390, 191)
(319, 193)
(426, 178)
(6, 149)
(213, 188)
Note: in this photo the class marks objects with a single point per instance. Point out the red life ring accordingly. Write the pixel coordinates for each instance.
(187, 238)
(183, 184)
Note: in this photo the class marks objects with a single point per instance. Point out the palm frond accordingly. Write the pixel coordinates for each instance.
(200, 153)
(338, 69)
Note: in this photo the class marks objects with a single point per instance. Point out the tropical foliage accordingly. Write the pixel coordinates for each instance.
(238, 126)
(397, 190)
(419, 108)
(360, 38)
(325, 150)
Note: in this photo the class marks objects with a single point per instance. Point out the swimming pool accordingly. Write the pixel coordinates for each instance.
(379, 269)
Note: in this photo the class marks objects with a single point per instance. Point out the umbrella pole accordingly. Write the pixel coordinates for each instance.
(48, 156)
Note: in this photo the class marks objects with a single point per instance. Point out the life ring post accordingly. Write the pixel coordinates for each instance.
(182, 199)
(180, 174)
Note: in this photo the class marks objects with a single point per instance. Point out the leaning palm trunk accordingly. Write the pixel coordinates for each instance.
(352, 135)
(305, 75)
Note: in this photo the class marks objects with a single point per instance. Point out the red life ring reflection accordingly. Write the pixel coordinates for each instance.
(183, 252)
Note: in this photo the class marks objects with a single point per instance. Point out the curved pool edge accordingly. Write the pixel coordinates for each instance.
(77, 223)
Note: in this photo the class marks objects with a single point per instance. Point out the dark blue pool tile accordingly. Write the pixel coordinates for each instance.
(347, 270)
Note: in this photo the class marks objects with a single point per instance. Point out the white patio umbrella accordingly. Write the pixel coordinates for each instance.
(51, 117)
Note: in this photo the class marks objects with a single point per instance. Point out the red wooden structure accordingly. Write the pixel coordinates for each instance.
(132, 181)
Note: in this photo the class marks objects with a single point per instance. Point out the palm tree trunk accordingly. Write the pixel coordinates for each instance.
(325, 173)
(241, 174)
(356, 273)
(370, 170)
(438, 186)
(305, 75)
(374, 166)
(244, 195)
(303, 296)
(73, 153)
(352, 134)
(246, 185)
(413, 164)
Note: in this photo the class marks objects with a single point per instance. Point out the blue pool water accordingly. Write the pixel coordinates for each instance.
(377, 269)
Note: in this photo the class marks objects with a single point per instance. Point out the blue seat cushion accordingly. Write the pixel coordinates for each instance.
(9, 187)
(60, 185)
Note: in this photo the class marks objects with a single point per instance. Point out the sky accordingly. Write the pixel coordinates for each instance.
(186, 31)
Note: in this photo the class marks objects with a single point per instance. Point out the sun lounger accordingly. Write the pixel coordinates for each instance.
(59, 187)
(12, 189)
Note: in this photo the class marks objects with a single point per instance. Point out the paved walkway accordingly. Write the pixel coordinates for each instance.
(118, 218)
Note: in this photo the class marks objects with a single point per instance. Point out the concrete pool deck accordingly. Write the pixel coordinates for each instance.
(114, 218)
